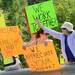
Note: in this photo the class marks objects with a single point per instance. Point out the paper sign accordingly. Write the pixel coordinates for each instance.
(2, 20)
(42, 57)
(8, 61)
(44, 12)
(10, 41)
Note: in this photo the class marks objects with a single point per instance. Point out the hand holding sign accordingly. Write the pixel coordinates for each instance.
(24, 45)
(27, 44)
(38, 22)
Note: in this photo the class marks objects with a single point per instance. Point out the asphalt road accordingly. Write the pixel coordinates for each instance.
(65, 70)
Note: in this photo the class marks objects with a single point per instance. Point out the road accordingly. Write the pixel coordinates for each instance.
(65, 70)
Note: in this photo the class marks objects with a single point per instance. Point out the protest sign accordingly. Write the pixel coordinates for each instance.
(10, 41)
(44, 12)
(42, 57)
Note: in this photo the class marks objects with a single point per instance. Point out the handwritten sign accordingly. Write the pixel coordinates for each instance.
(42, 57)
(2, 20)
(10, 41)
(44, 12)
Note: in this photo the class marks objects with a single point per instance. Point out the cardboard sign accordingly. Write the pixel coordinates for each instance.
(10, 41)
(42, 57)
(2, 20)
(44, 12)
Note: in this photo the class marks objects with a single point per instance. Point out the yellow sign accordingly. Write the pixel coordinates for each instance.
(10, 41)
(2, 20)
(8, 61)
(42, 57)
(62, 60)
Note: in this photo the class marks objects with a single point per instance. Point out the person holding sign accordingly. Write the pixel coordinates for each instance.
(41, 36)
(67, 38)
(38, 36)
(41, 55)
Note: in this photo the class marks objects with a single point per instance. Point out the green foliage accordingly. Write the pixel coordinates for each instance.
(23, 61)
(65, 10)
(30, 2)
(13, 15)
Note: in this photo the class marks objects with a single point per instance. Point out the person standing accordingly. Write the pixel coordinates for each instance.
(67, 38)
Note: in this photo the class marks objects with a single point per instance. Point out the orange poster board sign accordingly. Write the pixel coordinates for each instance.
(42, 57)
(10, 41)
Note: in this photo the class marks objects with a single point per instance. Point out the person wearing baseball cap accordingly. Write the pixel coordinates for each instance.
(67, 38)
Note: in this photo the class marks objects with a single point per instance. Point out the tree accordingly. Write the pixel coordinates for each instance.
(65, 9)
(13, 15)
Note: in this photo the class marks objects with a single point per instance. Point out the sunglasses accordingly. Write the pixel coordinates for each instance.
(46, 33)
(63, 28)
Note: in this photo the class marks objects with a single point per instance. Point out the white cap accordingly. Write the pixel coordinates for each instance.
(68, 26)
